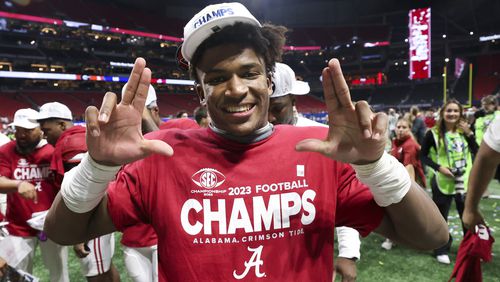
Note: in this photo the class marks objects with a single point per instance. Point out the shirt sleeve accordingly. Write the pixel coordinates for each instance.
(426, 148)
(492, 135)
(124, 199)
(355, 205)
(5, 168)
(410, 155)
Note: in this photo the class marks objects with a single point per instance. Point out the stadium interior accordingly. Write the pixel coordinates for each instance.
(95, 42)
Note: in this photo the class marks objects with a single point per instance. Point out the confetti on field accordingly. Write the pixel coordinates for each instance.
(380, 262)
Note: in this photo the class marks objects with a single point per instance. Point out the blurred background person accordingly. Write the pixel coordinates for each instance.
(201, 116)
(56, 122)
(418, 127)
(407, 151)
(25, 167)
(448, 149)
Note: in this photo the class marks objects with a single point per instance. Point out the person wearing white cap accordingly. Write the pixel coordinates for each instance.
(242, 199)
(25, 169)
(285, 87)
(151, 115)
(56, 122)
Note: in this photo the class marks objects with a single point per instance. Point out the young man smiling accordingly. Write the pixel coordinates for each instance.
(212, 221)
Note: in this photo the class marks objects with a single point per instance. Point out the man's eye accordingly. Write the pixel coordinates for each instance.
(250, 74)
(215, 80)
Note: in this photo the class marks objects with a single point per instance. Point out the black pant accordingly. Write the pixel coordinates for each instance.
(443, 202)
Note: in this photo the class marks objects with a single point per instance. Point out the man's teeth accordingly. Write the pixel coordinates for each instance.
(238, 109)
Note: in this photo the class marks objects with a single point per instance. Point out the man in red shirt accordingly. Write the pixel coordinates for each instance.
(56, 122)
(241, 199)
(25, 168)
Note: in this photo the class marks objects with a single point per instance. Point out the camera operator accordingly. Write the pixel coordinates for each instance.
(448, 149)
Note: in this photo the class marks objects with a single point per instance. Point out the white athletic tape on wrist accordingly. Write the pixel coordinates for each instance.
(84, 186)
(387, 178)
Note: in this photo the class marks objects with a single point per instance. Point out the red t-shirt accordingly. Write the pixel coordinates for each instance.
(34, 168)
(225, 210)
(68, 145)
(407, 152)
(182, 123)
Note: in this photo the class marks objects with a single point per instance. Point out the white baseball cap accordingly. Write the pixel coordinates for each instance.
(211, 20)
(151, 95)
(285, 82)
(54, 110)
(25, 118)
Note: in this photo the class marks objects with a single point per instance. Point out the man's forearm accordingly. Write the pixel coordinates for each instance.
(80, 210)
(482, 172)
(416, 221)
(8, 185)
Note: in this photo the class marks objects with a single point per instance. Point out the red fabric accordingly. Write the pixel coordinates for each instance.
(34, 168)
(407, 152)
(70, 143)
(181, 123)
(214, 218)
(429, 121)
(473, 248)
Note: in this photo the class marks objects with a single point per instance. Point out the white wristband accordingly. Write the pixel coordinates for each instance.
(387, 178)
(84, 186)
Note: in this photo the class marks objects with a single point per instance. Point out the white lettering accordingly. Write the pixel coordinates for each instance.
(190, 229)
(236, 221)
(214, 216)
(254, 261)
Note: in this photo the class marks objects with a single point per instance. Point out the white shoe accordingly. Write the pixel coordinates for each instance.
(443, 259)
(387, 244)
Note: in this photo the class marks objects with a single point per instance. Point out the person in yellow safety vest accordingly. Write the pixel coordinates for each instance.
(448, 149)
(489, 105)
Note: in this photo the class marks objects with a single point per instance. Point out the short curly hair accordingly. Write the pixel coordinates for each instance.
(267, 41)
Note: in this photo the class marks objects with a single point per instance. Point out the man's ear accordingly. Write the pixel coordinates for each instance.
(62, 124)
(201, 93)
(270, 83)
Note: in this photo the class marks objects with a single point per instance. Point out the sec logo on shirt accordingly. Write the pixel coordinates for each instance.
(208, 178)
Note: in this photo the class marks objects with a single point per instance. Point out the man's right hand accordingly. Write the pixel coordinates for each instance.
(114, 134)
(27, 191)
(471, 218)
(80, 250)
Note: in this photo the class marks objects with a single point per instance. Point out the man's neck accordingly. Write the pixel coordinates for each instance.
(260, 134)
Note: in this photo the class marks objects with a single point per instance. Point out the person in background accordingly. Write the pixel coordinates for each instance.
(281, 104)
(489, 105)
(199, 201)
(489, 112)
(393, 119)
(201, 116)
(56, 122)
(448, 149)
(182, 114)
(487, 160)
(3, 197)
(30, 188)
(418, 127)
(407, 151)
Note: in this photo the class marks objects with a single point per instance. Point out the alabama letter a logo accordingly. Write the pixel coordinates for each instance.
(254, 261)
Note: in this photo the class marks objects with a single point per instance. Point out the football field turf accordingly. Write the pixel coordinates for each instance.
(376, 264)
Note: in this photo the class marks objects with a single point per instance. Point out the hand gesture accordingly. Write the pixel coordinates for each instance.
(465, 127)
(114, 134)
(356, 134)
(27, 191)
